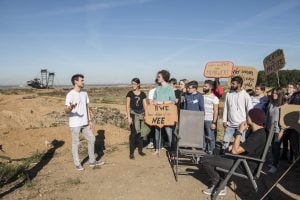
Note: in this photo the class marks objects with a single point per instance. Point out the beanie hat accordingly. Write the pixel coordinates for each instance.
(257, 116)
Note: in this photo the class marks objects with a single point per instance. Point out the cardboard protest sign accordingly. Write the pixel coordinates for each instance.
(249, 75)
(290, 116)
(274, 62)
(161, 115)
(218, 69)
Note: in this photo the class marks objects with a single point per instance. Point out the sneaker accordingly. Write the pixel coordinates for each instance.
(150, 145)
(156, 153)
(97, 163)
(273, 169)
(79, 168)
(209, 191)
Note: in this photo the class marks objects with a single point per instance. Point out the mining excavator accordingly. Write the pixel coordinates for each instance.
(45, 82)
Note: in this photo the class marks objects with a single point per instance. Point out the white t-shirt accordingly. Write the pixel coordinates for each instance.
(79, 115)
(151, 94)
(209, 102)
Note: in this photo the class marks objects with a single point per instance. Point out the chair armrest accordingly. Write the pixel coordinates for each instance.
(243, 157)
(176, 135)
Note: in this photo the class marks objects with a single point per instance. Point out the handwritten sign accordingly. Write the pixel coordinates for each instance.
(248, 74)
(218, 69)
(161, 115)
(290, 116)
(274, 62)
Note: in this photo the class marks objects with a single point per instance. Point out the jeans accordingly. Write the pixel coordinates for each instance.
(89, 136)
(229, 133)
(209, 140)
(210, 162)
(169, 132)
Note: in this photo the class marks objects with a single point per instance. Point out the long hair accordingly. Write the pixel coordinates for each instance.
(280, 93)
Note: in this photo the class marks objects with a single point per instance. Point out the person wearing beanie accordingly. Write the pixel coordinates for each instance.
(252, 147)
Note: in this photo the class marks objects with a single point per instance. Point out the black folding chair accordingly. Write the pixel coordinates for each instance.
(243, 159)
(190, 134)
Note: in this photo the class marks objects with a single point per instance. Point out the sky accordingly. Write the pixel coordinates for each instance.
(113, 41)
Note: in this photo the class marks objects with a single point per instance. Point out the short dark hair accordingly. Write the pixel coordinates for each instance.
(136, 80)
(165, 75)
(210, 82)
(237, 79)
(76, 77)
(250, 92)
(261, 86)
(194, 84)
(173, 81)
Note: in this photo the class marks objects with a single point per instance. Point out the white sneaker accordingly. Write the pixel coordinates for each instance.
(150, 145)
(209, 191)
(273, 169)
(79, 167)
(97, 163)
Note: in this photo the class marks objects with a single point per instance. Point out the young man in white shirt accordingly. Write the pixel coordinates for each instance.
(236, 106)
(80, 120)
(211, 109)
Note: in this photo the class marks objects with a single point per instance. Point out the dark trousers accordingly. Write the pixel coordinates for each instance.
(210, 162)
(135, 139)
(292, 136)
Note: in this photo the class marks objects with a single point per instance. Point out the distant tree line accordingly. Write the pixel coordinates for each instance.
(285, 77)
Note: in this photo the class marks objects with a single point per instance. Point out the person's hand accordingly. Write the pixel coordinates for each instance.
(280, 134)
(72, 106)
(225, 124)
(230, 148)
(130, 120)
(213, 126)
(243, 127)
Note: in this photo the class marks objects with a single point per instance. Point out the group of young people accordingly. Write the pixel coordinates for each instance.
(247, 118)
(185, 97)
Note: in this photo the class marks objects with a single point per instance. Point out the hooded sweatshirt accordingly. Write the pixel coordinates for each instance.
(236, 107)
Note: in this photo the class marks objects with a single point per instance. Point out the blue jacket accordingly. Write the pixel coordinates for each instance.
(194, 102)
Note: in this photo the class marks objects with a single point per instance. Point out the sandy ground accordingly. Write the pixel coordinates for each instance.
(25, 129)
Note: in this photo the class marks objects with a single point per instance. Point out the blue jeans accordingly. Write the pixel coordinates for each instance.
(169, 132)
(209, 134)
(229, 133)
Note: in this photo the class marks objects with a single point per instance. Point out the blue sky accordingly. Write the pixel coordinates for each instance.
(112, 41)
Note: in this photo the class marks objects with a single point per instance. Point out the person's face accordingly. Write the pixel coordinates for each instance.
(160, 79)
(191, 90)
(290, 89)
(298, 87)
(258, 91)
(274, 95)
(134, 85)
(206, 88)
(80, 82)
(181, 85)
(234, 85)
(174, 85)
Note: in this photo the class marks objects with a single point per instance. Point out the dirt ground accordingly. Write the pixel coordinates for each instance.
(31, 122)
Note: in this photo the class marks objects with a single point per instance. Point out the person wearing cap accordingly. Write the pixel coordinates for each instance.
(252, 147)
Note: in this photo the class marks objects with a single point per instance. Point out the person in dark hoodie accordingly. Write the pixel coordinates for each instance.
(193, 100)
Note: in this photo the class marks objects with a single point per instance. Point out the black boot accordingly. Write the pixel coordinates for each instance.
(131, 156)
(140, 147)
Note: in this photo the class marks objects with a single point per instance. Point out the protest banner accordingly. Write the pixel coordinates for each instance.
(221, 69)
(274, 62)
(290, 116)
(249, 75)
(161, 115)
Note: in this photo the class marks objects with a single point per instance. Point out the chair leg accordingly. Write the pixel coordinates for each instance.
(224, 182)
(176, 170)
(249, 173)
